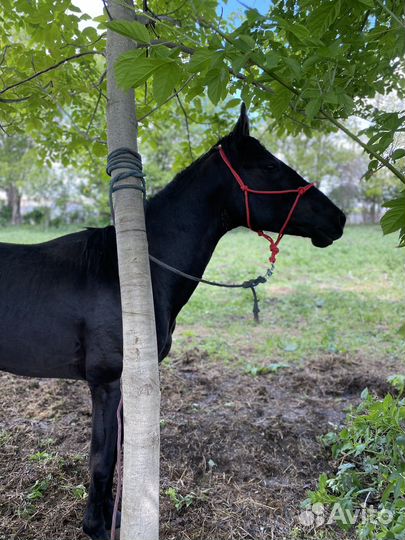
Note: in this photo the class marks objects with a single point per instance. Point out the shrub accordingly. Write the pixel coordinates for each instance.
(369, 484)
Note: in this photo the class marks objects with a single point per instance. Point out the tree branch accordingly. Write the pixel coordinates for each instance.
(393, 15)
(272, 75)
(365, 146)
(166, 100)
(325, 114)
(165, 43)
(93, 115)
(50, 68)
(15, 100)
(107, 10)
(190, 149)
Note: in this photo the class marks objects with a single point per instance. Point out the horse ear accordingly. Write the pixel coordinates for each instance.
(241, 128)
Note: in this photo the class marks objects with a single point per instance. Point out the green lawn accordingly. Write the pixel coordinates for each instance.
(348, 298)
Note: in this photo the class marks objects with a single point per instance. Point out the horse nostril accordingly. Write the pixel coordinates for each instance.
(342, 220)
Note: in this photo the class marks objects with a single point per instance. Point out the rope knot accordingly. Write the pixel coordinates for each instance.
(274, 252)
(303, 189)
(253, 282)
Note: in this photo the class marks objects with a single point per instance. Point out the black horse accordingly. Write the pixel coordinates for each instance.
(60, 311)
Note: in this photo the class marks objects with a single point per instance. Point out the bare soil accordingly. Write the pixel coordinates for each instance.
(242, 450)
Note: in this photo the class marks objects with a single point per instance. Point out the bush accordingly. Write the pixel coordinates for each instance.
(37, 216)
(5, 215)
(368, 488)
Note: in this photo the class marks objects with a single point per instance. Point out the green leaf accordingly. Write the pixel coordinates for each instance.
(131, 29)
(99, 150)
(239, 60)
(324, 16)
(272, 60)
(312, 108)
(280, 101)
(364, 394)
(348, 103)
(196, 90)
(394, 219)
(299, 30)
(164, 81)
(398, 154)
(133, 69)
(245, 43)
(294, 66)
(235, 102)
(216, 82)
(204, 59)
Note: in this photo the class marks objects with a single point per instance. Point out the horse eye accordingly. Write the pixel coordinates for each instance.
(269, 166)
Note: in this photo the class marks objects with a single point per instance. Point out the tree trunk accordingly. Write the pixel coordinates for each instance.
(373, 212)
(140, 377)
(14, 203)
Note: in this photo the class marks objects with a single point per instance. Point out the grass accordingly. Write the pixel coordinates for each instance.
(348, 298)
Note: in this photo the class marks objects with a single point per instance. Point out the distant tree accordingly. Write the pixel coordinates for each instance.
(17, 166)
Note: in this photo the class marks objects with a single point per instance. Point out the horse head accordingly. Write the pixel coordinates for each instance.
(314, 216)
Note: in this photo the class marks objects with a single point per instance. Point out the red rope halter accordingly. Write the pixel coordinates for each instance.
(274, 249)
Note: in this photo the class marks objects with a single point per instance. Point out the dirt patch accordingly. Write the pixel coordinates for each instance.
(242, 450)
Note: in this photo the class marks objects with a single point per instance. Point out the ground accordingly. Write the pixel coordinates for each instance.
(244, 449)
(243, 405)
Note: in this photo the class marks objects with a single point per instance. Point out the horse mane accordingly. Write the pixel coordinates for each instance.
(94, 249)
(184, 177)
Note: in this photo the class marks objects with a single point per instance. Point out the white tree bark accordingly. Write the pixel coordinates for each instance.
(140, 378)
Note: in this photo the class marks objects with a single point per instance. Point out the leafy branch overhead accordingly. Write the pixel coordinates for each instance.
(304, 65)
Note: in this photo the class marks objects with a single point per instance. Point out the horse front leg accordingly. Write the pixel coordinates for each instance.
(105, 398)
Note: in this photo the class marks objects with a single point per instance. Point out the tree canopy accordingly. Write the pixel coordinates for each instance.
(304, 66)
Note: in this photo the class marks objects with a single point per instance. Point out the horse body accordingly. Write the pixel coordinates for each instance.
(60, 300)
(52, 299)
(60, 309)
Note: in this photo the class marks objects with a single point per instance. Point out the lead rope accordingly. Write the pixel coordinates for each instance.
(125, 158)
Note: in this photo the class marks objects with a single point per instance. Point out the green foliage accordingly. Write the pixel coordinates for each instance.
(370, 453)
(51, 77)
(5, 215)
(263, 370)
(394, 219)
(80, 492)
(303, 66)
(42, 456)
(181, 501)
(37, 490)
(133, 30)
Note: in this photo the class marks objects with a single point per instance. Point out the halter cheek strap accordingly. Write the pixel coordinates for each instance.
(274, 249)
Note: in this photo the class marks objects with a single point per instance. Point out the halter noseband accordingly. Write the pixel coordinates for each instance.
(274, 249)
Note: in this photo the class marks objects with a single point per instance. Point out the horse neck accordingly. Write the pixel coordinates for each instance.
(185, 221)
